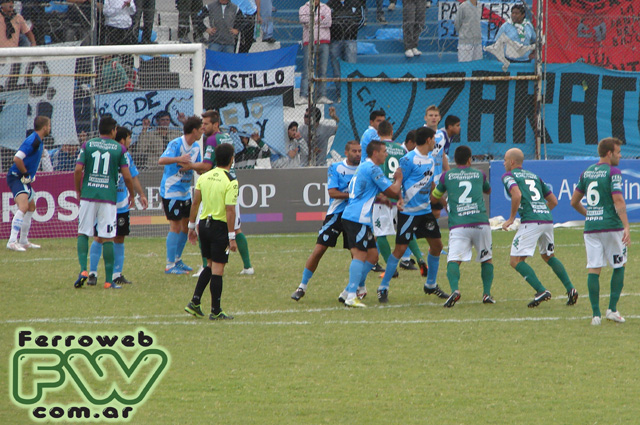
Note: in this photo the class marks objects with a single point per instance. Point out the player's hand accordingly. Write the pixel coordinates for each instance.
(233, 246)
(400, 204)
(193, 237)
(132, 200)
(234, 31)
(184, 160)
(146, 123)
(144, 202)
(182, 117)
(626, 237)
(26, 178)
(507, 223)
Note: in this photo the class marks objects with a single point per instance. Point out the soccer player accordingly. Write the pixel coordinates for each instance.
(96, 182)
(371, 133)
(533, 200)
(432, 117)
(468, 222)
(123, 136)
(415, 219)
(606, 228)
(217, 190)
(19, 178)
(180, 159)
(338, 177)
(365, 185)
(440, 153)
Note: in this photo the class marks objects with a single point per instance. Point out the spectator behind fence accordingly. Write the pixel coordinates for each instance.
(413, 19)
(118, 22)
(467, 25)
(248, 14)
(266, 12)
(323, 132)
(253, 148)
(218, 20)
(297, 151)
(148, 9)
(322, 38)
(12, 25)
(187, 15)
(152, 143)
(520, 30)
(64, 158)
(347, 17)
(114, 77)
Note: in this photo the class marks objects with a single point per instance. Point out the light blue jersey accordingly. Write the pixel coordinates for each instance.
(122, 202)
(176, 184)
(30, 152)
(367, 182)
(369, 135)
(338, 177)
(417, 176)
(439, 151)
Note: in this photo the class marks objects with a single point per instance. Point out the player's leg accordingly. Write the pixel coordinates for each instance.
(460, 243)
(219, 257)
(106, 218)
(95, 253)
(205, 237)
(243, 245)
(595, 261)
(523, 246)
(21, 199)
(183, 235)
(26, 225)
(360, 237)
(547, 252)
(173, 214)
(327, 237)
(122, 231)
(86, 220)
(482, 241)
(616, 253)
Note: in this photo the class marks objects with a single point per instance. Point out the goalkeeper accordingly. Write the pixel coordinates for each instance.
(19, 178)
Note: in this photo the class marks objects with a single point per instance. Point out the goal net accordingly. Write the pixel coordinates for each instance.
(148, 88)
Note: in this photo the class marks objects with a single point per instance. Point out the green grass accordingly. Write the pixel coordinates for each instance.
(313, 362)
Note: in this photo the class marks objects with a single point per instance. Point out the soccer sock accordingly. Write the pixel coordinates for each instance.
(204, 260)
(306, 276)
(486, 271)
(593, 283)
(383, 247)
(83, 251)
(107, 253)
(181, 241)
(415, 250)
(203, 281)
(95, 252)
(559, 270)
(433, 263)
(355, 275)
(16, 226)
(118, 252)
(392, 265)
(453, 274)
(529, 275)
(365, 271)
(172, 241)
(243, 249)
(216, 293)
(26, 225)
(617, 282)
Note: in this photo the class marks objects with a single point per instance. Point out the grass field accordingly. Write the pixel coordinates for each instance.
(313, 362)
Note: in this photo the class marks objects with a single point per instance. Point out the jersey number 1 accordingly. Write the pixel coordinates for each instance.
(106, 157)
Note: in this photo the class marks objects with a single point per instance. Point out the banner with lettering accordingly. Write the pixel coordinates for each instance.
(494, 14)
(13, 118)
(236, 77)
(583, 104)
(598, 32)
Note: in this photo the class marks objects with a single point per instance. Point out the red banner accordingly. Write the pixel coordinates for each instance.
(599, 32)
(56, 214)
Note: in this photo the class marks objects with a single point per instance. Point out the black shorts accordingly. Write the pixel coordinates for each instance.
(214, 240)
(122, 224)
(176, 210)
(358, 235)
(331, 229)
(420, 226)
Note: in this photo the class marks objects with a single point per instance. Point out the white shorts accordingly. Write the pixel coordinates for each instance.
(99, 214)
(383, 220)
(605, 247)
(469, 52)
(530, 234)
(236, 225)
(461, 239)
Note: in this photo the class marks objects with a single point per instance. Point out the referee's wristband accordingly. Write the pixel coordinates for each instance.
(192, 226)
(232, 236)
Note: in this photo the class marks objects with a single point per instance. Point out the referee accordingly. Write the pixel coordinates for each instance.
(217, 190)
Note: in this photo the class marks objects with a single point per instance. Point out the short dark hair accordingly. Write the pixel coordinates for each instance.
(520, 8)
(316, 111)
(374, 146)
(423, 134)
(385, 128)
(462, 155)
(224, 154)
(349, 144)
(107, 125)
(213, 116)
(161, 114)
(39, 122)
(192, 123)
(410, 137)
(122, 133)
(293, 124)
(375, 114)
(608, 145)
(451, 120)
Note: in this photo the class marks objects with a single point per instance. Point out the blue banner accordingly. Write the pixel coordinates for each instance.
(563, 177)
(13, 118)
(583, 104)
(238, 77)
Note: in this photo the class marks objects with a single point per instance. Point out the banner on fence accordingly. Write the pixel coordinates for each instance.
(599, 32)
(237, 77)
(496, 116)
(563, 178)
(13, 118)
(494, 14)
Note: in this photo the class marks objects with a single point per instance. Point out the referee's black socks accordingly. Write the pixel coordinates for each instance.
(216, 293)
(203, 281)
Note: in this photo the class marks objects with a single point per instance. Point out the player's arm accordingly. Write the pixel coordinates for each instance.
(445, 162)
(168, 160)
(334, 193)
(128, 181)
(516, 197)
(576, 202)
(395, 190)
(621, 209)
(195, 207)
(138, 187)
(19, 163)
(552, 201)
(231, 221)
(77, 178)
(198, 167)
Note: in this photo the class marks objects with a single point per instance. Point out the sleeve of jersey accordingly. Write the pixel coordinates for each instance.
(132, 166)
(508, 181)
(616, 180)
(379, 179)
(123, 158)
(80, 159)
(440, 189)
(231, 195)
(486, 186)
(546, 190)
(580, 186)
(332, 178)
(28, 147)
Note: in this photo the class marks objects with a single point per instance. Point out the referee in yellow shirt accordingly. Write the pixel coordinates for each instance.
(217, 190)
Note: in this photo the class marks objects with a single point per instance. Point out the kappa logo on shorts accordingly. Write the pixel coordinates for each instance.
(484, 253)
(618, 259)
(516, 242)
(550, 247)
(378, 224)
